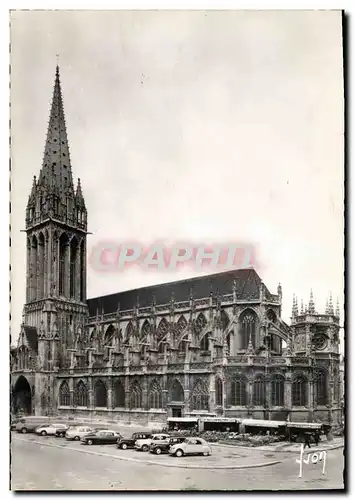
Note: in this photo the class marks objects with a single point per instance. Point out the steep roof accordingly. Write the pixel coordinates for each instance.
(247, 287)
(56, 169)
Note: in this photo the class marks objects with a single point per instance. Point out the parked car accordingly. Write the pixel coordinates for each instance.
(101, 437)
(30, 424)
(144, 444)
(76, 432)
(125, 443)
(159, 447)
(60, 432)
(191, 446)
(51, 429)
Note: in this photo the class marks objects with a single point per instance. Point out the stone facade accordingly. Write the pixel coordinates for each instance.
(209, 345)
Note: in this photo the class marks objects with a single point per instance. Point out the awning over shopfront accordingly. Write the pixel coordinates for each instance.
(182, 419)
(220, 420)
(262, 423)
(304, 425)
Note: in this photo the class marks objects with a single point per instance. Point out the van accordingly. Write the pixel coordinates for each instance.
(30, 424)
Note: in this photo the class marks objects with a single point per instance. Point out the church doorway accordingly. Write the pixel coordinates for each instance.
(21, 396)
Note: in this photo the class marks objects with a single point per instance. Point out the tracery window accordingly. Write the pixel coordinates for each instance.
(277, 390)
(162, 328)
(136, 396)
(248, 321)
(239, 396)
(299, 391)
(199, 399)
(81, 394)
(181, 325)
(64, 394)
(155, 395)
(259, 390)
(200, 323)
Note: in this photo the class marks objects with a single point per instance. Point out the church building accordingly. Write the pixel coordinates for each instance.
(210, 345)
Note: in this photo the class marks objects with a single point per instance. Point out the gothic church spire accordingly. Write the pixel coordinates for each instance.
(56, 168)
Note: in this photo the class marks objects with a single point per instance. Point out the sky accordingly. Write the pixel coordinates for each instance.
(202, 126)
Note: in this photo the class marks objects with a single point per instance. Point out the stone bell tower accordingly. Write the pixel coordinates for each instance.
(56, 227)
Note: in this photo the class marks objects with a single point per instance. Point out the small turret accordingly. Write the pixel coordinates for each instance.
(330, 305)
(295, 311)
(280, 292)
(311, 308)
(302, 310)
(337, 309)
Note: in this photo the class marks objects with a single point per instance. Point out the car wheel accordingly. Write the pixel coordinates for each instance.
(43, 433)
(124, 446)
(158, 451)
(145, 447)
(23, 430)
(77, 438)
(179, 453)
(89, 441)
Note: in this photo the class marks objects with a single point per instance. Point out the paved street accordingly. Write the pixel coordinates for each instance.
(55, 464)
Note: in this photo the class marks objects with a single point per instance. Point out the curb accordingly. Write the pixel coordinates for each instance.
(150, 462)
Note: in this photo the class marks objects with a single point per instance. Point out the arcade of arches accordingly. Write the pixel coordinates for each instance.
(236, 390)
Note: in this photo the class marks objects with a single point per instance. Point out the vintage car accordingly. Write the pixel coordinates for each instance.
(51, 429)
(125, 443)
(76, 432)
(144, 444)
(101, 437)
(159, 447)
(191, 446)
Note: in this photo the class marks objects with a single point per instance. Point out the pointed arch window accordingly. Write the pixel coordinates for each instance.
(64, 394)
(73, 266)
(145, 329)
(218, 392)
(259, 390)
(118, 394)
(155, 395)
(248, 323)
(181, 325)
(136, 397)
(277, 390)
(100, 394)
(129, 331)
(239, 396)
(81, 394)
(176, 392)
(200, 323)
(162, 328)
(322, 388)
(299, 390)
(199, 399)
(108, 338)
